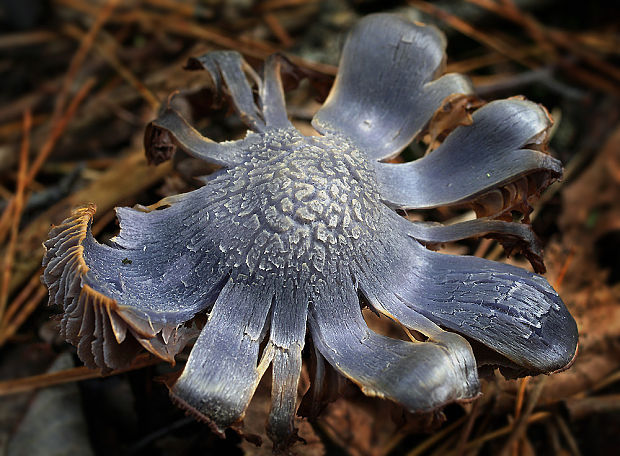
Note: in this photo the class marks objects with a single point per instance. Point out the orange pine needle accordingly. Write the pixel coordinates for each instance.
(75, 374)
(521, 396)
(10, 328)
(78, 58)
(22, 296)
(16, 213)
(467, 29)
(567, 262)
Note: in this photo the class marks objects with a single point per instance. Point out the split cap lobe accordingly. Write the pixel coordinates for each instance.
(473, 159)
(385, 90)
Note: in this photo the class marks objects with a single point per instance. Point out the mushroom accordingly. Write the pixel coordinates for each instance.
(279, 243)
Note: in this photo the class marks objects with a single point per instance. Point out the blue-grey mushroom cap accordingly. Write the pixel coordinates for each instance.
(281, 242)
